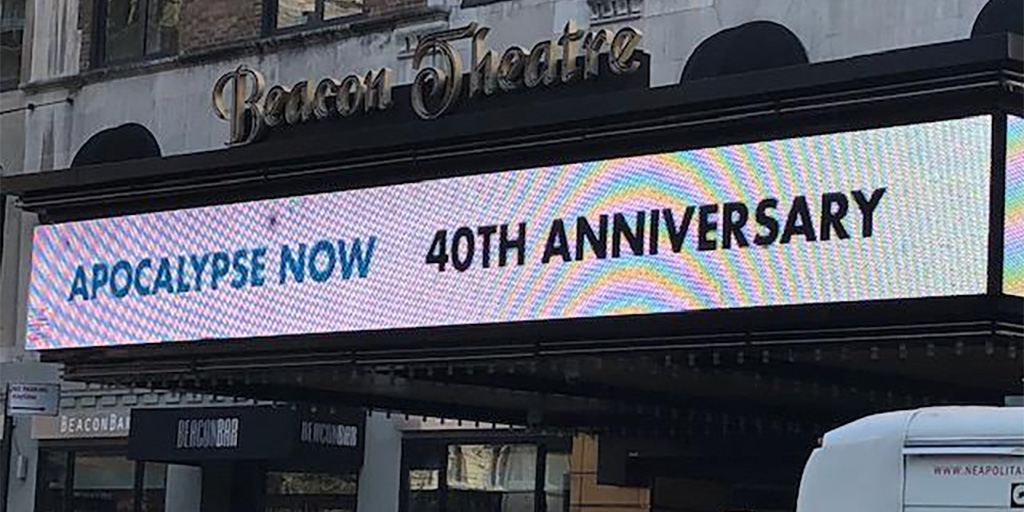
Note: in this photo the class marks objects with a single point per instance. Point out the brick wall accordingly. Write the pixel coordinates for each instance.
(216, 22)
(385, 7)
(201, 23)
(207, 23)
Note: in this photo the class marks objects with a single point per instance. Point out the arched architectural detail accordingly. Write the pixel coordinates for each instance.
(999, 16)
(749, 47)
(126, 142)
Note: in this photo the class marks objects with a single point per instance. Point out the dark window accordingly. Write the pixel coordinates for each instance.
(297, 14)
(12, 32)
(154, 487)
(90, 481)
(102, 483)
(137, 29)
(52, 482)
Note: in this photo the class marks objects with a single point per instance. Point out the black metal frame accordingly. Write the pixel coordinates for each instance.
(71, 449)
(997, 205)
(98, 57)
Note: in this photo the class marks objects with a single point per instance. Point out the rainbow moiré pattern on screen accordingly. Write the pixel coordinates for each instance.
(1013, 248)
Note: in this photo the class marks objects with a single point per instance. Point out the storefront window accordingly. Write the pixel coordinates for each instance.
(98, 482)
(308, 13)
(311, 492)
(133, 29)
(103, 483)
(423, 465)
(482, 478)
(12, 31)
(467, 475)
(423, 490)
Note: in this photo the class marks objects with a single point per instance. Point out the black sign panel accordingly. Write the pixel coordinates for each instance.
(292, 438)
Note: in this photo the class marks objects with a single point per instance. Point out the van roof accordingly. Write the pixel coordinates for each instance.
(936, 426)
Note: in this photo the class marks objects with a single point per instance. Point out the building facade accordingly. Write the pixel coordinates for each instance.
(93, 85)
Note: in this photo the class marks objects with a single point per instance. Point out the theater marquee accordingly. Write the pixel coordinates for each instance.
(887, 213)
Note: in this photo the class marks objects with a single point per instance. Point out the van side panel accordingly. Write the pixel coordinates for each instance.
(982, 482)
(853, 477)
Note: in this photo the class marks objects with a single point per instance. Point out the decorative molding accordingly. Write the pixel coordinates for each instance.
(613, 11)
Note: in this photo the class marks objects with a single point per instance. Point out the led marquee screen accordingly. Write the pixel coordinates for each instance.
(1013, 239)
(879, 214)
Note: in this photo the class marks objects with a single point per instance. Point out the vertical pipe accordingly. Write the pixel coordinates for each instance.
(5, 453)
(3, 225)
(5, 443)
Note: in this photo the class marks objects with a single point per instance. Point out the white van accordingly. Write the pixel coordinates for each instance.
(938, 459)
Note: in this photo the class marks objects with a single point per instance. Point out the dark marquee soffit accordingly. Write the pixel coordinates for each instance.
(854, 356)
(766, 326)
(946, 80)
(819, 382)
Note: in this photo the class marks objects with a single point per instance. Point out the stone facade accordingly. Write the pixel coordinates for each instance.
(389, 7)
(169, 96)
(206, 23)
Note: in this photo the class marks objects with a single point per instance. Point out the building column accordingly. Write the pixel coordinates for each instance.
(184, 488)
(382, 462)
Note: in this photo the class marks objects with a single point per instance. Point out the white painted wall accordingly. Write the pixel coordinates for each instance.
(14, 281)
(184, 488)
(379, 478)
